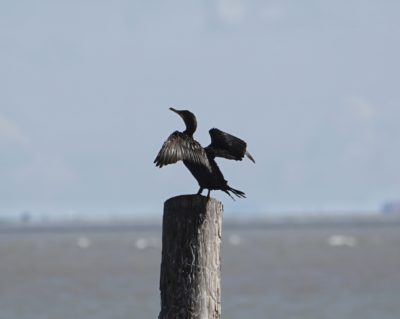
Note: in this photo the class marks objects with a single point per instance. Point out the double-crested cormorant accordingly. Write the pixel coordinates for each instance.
(201, 161)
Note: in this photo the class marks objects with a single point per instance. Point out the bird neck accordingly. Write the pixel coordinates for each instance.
(191, 126)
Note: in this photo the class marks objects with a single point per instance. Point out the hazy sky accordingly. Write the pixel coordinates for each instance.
(85, 87)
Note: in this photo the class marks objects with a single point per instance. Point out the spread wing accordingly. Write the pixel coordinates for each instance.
(180, 147)
(227, 146)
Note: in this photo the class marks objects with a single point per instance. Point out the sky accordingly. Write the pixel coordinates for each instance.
(85, 87)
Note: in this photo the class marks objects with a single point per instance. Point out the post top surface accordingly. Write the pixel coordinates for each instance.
(199, 199)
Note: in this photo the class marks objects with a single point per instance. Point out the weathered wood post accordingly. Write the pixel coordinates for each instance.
(190, 278)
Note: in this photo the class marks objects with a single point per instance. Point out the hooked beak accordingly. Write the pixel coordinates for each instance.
(176, 111)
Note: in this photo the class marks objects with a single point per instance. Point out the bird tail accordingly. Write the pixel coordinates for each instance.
(236, 192)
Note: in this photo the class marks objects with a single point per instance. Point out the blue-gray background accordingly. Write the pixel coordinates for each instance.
(85, 86)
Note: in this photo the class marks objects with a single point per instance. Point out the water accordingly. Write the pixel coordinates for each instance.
(329, 272)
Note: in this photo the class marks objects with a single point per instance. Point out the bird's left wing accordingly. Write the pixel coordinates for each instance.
(180, 147)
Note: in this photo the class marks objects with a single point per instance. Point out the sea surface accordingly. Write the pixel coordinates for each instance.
(278, 272)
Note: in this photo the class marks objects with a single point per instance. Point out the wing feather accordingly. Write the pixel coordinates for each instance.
(180, 147)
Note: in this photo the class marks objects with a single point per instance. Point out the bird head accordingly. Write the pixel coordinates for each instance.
(189, 118)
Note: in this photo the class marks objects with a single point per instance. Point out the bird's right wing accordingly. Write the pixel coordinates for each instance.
(227, 146)
(180, 147)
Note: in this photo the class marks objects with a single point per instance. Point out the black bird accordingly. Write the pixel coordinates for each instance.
(201, 161)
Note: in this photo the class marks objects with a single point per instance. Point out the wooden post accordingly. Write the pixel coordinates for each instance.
(190, 279)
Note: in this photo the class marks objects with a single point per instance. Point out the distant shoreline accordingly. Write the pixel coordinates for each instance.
(269, 223)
